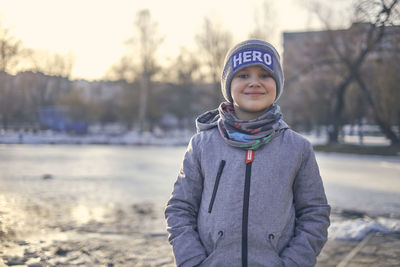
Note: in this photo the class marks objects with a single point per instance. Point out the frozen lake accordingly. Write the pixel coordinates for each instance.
(123, 175)
(360, 182)
(99, 174)
(105, 174)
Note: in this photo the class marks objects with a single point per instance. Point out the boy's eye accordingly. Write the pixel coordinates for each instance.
(265, 75)
(243, 75)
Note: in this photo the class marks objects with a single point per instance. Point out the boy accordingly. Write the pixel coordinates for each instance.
(249, 191)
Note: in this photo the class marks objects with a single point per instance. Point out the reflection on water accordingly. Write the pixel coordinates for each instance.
(83, 214)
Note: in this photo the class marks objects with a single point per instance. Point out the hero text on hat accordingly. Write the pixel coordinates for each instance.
(250, 57)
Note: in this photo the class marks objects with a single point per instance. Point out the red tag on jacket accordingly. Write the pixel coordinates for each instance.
(249, 156)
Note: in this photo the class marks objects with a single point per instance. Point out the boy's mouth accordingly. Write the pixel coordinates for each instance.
(254, 93)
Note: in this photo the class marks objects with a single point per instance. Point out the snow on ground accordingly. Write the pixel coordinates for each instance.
(357, 229)
(147, 138)
(128, 138)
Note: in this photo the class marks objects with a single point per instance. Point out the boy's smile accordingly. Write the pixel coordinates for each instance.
(253, 90)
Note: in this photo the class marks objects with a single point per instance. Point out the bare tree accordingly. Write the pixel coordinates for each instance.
(184, 68)
(351, 49)
(380, 15)
(129, 103)
(7, 100)
(53, 64)
(10, 48)
(214, 42)
(124, 70)
(356, 110)
(180, 97)
(264, 22)
(311, 72)
(145, 47)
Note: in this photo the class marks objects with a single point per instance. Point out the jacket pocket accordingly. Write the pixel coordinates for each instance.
(220, 235)
(272, 239)
(216, 184)
(213, 255)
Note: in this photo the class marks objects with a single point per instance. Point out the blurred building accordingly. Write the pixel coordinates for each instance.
(313, 48)
(315, 62)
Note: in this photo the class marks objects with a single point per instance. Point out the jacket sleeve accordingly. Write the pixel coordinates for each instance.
(182, 209)
(312, 214)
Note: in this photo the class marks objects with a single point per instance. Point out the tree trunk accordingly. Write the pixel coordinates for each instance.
(143, 100)
(337, 115)
(360, 132)
(387, 131)
(5, 123)
(384, 126)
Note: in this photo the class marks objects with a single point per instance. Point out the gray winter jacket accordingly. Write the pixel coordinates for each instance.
(287, 211)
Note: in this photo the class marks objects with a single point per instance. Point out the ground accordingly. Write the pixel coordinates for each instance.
(135, 236)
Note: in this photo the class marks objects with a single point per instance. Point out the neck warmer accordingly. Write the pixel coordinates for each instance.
(252, 134)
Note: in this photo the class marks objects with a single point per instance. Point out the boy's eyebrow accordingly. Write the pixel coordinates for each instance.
(240, 71)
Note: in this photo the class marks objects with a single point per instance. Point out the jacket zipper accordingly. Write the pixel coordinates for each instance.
(246, 200)
(219, 173)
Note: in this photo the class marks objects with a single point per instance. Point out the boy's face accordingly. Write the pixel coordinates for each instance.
(253, 90)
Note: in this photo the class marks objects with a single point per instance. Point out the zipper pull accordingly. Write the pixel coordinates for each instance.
(249, 156)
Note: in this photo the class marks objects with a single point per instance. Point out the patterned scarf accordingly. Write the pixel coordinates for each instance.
(252, 134)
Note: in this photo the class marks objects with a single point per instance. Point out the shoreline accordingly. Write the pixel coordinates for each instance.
(384, 150)
(349, 149)
(373, 145)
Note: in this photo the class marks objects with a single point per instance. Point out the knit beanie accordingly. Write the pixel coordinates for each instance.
(251, 53)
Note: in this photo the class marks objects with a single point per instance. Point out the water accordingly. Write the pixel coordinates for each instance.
(124, 175)
(104, 174)
(365, 189)
(366, 183)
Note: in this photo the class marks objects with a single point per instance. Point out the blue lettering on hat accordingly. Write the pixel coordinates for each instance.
(252, 56)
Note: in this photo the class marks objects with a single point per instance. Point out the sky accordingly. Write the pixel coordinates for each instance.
(95, 31)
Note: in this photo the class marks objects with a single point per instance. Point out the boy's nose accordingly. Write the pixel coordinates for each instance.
(254, 82)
